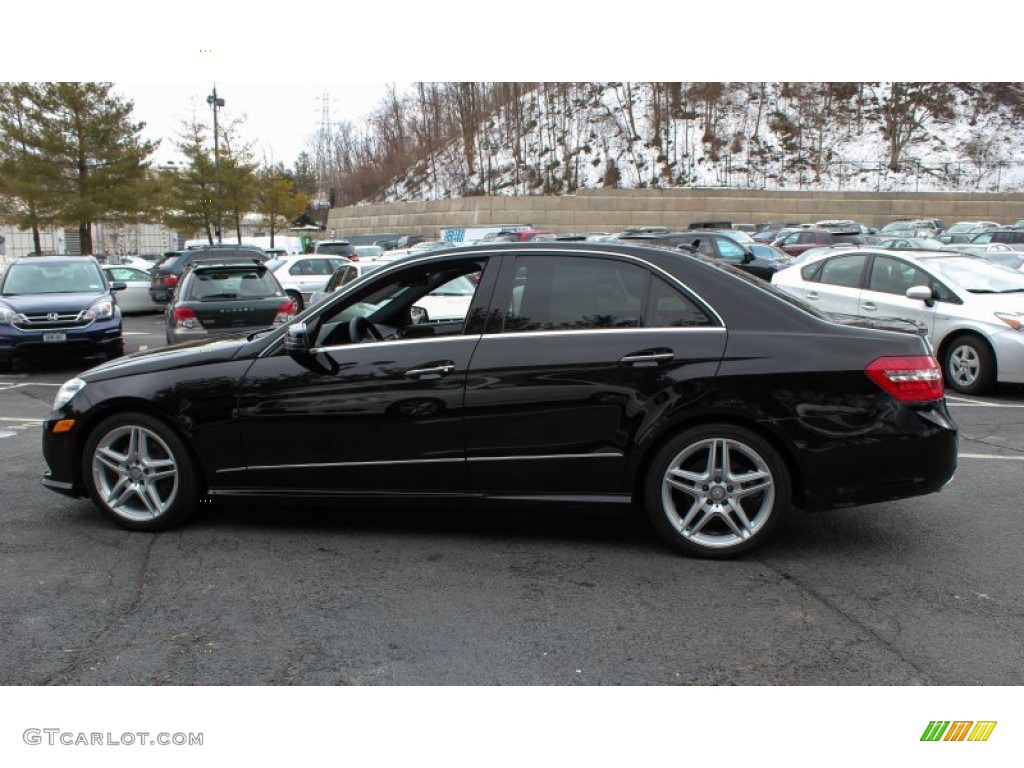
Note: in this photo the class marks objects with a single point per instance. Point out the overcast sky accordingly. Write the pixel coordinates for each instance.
(278, 117)
(274, 67)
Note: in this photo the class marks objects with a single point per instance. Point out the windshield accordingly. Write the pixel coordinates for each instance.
(69, 277)
(978, 275)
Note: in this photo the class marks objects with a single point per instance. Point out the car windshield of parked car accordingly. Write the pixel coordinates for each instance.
(234, 284)
(979, 275)
(70, 277)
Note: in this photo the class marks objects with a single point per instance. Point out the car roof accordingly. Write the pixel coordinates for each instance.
(54, 260)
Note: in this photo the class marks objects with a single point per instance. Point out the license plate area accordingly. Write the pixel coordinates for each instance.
(54, 337)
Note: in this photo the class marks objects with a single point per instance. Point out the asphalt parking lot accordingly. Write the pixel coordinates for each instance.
(922, 591)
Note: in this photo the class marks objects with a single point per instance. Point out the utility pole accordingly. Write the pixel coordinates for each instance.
(214, 102)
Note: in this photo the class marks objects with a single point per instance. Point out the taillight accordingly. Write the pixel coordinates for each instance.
(285, 312)
(353, 257)
(171, 280)
(908, 379)
(184, 318)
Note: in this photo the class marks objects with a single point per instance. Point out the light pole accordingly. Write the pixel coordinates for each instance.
(214, 102)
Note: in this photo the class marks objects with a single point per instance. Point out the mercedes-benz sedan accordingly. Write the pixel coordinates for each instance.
(582, 374)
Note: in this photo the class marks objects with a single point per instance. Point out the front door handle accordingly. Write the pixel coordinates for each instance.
(870, 306)
(431, 370)
(648, 358)
(813, 295)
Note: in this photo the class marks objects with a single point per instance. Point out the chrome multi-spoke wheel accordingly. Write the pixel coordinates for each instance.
(135, 473)
(716, 491)
(139, 472)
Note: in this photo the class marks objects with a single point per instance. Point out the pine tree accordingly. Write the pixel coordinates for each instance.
(87, 154)
(23, 198)
(277, 201)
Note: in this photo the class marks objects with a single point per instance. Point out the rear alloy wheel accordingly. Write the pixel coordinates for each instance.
(970, 366)
(139, 473)
(716, 491)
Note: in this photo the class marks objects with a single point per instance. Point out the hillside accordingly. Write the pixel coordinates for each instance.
(462, 139)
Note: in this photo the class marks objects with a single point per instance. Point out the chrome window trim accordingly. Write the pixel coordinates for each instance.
(396, 342)
(602, 331)
(472, 252)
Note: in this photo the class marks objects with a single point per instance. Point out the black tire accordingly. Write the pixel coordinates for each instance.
(969, 366)
(698, 513)
(140, 473)
(297, 298)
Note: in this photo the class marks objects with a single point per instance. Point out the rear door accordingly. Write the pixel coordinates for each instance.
(836, 285)
(582, 354)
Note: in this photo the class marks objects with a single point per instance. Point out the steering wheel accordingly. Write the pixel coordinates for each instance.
(360, 329)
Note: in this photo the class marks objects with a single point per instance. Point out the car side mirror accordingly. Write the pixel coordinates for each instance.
(748, 257)
(118, 285)
(296, 339)
(921, 293)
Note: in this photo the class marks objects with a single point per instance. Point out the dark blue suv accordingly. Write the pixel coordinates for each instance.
(55, 306)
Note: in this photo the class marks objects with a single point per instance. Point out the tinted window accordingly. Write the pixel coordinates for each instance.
(844, 270)
(889, 275)
(668, 308)
(234, 284)
(559, 293)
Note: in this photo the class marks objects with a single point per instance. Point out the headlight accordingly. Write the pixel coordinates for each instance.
(1013, 319)
(67, 390)
(101, 310)
(8, 316)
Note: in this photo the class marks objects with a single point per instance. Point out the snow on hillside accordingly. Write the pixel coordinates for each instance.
(611, 134)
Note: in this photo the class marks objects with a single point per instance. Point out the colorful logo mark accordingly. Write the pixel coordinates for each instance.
(958, 730)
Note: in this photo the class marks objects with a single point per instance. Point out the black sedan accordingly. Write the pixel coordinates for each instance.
(582, 374)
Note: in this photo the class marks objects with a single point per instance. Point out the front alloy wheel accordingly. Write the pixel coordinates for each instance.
(139, 473)
(716, 491)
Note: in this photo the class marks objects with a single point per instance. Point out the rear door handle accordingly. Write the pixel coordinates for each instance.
(648, 358)
(813, 295)
(431, 370)
(870, 306)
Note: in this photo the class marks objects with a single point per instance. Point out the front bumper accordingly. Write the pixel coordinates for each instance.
(100, 337)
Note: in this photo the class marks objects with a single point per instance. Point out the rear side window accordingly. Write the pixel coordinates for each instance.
(668, 308)
(843, 270)
(561, 293)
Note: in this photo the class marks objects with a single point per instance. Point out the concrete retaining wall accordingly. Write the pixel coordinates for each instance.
(611, 210)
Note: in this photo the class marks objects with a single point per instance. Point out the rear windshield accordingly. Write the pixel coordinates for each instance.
(336, 248)
(69, 277)
(216, 285)
(848, 237)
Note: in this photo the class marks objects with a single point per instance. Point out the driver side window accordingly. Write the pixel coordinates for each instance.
(423, 300)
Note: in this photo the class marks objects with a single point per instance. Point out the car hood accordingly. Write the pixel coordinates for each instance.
(994, 302)
(65, 303)
(167, 358)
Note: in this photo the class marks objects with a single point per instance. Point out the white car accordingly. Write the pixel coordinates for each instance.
(302, 276)
(971, 309)
(135, 297)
